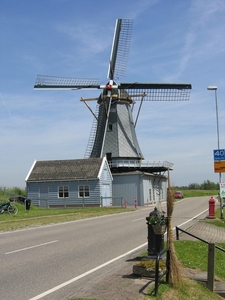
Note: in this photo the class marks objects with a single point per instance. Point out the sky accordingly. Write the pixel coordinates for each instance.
(172, 41)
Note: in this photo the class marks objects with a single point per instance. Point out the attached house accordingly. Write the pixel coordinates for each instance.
(73, 182)
(141, 187)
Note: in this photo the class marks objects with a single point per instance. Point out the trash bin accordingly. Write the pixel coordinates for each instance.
(27, 204)
(155, 241)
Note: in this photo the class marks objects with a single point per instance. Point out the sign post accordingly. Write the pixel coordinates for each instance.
(219, 154)
(219, 160)
(219, 167)
(222, 190)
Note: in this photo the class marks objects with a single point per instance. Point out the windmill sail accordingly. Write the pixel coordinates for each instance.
(120, 49)
(158, 91)
(120, 142)
(65, 83)
(115, 135)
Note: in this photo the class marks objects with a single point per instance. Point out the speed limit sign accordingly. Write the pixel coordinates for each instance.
(219, 154)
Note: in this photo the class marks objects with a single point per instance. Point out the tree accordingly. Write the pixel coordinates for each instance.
(194, 186)
(209, 185)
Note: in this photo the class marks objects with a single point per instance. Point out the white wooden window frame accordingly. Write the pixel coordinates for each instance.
(63, 191)
(84, 191)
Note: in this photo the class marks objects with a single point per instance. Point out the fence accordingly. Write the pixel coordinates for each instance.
(81, 202)
(166, 272)
(211, 257)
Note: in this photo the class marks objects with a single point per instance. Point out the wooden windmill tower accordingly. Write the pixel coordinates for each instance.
(113, 132)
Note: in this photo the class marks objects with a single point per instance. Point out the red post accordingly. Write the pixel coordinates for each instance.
(212, 208)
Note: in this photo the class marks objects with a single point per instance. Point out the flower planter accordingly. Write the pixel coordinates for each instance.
(159, 229)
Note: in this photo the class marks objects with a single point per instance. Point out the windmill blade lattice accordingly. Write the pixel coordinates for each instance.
(120, 49)
(53, 82)
(157, 91)
(114, 133)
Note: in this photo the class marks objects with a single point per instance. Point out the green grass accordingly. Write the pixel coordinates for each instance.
(37, 216)
(189, 290)
(194, 255)
(199, 193)
(218, 221)
(191, 254)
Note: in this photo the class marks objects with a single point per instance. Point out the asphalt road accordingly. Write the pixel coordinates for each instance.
(55, 261)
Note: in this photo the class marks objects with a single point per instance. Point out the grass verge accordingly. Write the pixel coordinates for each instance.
(194, 255)
(189, 290)
(40, 216)
(199, 193)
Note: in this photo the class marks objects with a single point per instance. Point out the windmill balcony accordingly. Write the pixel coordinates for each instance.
(138, 165)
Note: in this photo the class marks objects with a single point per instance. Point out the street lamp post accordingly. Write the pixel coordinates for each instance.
(214, 88)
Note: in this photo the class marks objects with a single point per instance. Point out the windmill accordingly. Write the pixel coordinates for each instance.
(113, 131)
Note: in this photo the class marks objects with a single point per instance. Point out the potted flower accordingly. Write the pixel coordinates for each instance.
(159, 221)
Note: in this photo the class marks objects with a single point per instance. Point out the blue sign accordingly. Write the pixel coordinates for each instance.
(219, 154)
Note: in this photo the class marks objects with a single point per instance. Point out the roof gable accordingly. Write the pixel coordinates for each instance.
(65, 169)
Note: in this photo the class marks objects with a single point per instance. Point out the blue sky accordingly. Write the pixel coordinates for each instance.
(173, 41)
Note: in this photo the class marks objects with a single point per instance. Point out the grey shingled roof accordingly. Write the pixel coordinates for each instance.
(121, 141)
(65, 169)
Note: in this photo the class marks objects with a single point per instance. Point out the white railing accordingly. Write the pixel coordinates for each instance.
(139, 163)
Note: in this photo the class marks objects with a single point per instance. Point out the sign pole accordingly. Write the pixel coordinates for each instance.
(219, 167)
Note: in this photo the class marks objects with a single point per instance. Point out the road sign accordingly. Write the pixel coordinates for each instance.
(219, 166)
(219, 154)
(222, 190)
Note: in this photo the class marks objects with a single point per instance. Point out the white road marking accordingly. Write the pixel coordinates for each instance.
(85, 274)
(98, 267)
(35, 246)
(137, 219)
(191, 219)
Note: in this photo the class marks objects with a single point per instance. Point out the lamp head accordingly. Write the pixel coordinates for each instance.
(212, 88)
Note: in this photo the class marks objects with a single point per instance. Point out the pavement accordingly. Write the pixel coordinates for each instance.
(122, 284)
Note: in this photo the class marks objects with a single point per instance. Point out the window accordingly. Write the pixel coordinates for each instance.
(84, 191)
(63, 191)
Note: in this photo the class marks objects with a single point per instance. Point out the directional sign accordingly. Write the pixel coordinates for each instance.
(219, 154)
(222, 190)
(219, 166)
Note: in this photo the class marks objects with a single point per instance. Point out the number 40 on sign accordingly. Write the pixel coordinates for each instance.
(219, 154)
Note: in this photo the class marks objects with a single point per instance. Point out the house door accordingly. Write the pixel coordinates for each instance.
(106, 196)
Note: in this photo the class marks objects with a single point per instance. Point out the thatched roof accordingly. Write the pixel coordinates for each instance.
(65, 169)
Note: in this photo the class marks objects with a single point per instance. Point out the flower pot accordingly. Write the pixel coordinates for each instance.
(159, 229)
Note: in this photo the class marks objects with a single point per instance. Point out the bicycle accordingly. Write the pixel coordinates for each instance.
(8, 207)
